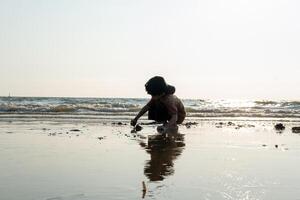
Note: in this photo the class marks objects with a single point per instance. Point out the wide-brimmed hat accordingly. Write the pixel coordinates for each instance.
(158, 86)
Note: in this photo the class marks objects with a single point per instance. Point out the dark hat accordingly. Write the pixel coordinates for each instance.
(157, 86)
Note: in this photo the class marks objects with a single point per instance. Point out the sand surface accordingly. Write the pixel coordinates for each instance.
(46, 160)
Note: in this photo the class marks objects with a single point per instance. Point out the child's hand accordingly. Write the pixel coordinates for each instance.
(133, 122)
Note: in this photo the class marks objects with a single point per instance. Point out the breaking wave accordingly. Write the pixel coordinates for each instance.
(130, 107)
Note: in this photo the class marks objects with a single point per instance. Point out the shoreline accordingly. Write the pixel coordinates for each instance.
(94, 159)
(126, 118)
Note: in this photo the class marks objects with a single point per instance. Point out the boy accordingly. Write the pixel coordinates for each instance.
(163, 107)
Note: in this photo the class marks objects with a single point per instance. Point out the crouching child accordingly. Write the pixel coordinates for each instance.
(164, 107)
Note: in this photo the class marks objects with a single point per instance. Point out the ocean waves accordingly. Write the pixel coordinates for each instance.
(66, 108)
(130, 107)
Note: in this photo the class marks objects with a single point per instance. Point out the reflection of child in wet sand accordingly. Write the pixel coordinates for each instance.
(162, 159)
(163, 107)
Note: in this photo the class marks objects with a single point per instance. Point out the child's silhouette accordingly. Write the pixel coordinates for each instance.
(163, 107)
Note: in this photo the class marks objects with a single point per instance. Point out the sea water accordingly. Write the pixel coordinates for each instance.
(128, 107)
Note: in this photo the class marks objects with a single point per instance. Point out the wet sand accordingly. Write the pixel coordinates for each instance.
(73, 160)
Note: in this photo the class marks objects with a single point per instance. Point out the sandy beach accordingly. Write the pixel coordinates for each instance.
(88, 159)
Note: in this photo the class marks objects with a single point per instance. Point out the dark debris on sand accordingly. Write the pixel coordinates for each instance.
(190, 124)
(231, 124)
(102, 137)
(296, 129)
(244, 126)
(75, 130)
(276, 146)
(219, 125)
(279, 127)
(118, 123)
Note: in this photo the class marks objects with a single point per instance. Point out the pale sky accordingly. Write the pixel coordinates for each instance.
(248, 49)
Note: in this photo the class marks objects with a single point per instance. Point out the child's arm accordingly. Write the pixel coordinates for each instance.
(141, 113)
